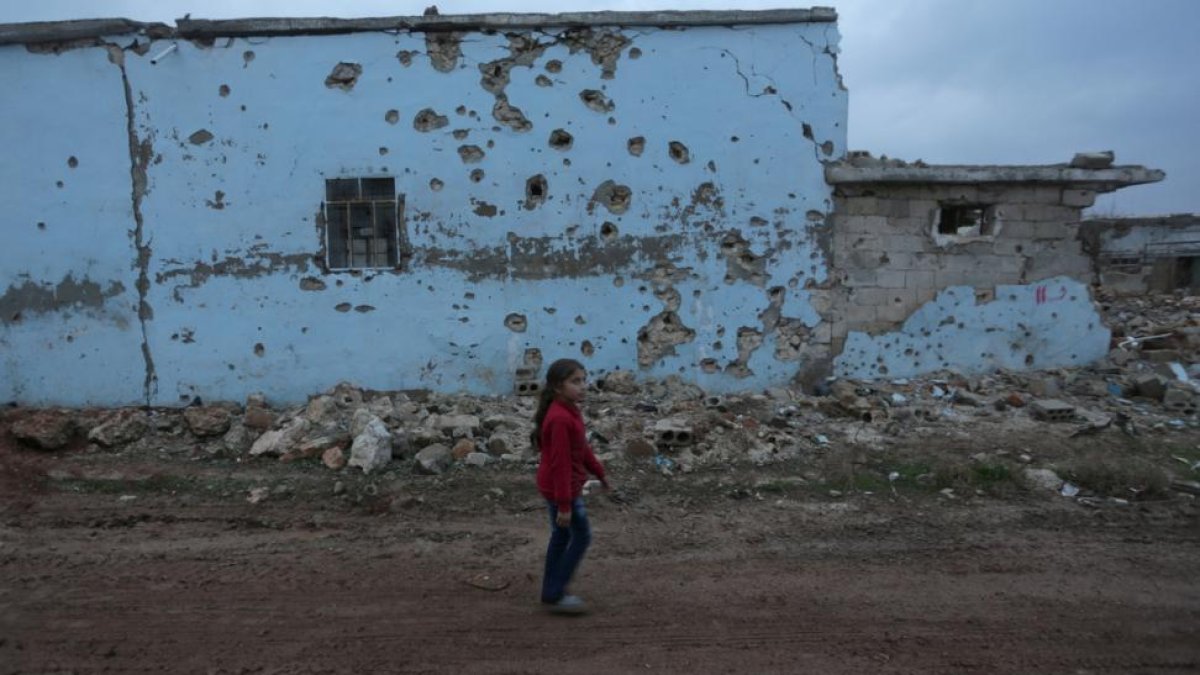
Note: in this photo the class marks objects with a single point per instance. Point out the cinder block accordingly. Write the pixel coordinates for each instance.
(1005, 245)
(1052, 410)
(673, 434)
(858, 315)
(906, 243)
(890, 278)
(919, 279)
(527, 387)
(861, 206)
(871, 296)
(896, 312)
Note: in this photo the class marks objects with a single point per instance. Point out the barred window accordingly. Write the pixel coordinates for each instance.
(362, 223)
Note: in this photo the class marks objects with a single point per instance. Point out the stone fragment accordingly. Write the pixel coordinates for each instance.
(1150, 385)
(207, 420)
(1093, 160)
(966, 398)
(334, 458)
(620, 382)
(321, 410)
(238, 439)
(479, 459)
(451, 423)
(45, 429)
(346, 395)
(434, 459)
(359, 421)
(1180, 401)
(639, 448)
(120, 428)
(497, 446)
(383, 408)
(462, 448)
(1043, 479)
(372, 448)
(316, 447)
(279, 441)
(258, 494)
(259, 419)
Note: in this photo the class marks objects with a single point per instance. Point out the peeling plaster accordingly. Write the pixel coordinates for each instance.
(18, 302)
(255, 264)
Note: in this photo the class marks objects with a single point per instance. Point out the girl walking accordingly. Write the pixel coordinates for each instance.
(566, 459)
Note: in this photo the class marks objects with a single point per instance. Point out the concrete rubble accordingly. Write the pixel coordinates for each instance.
(1149, 384)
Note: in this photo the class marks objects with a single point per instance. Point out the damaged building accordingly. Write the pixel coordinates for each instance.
(1145, 255)
(277, 205)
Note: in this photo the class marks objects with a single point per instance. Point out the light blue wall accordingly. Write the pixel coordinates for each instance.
(1050, 324)
(223, 280)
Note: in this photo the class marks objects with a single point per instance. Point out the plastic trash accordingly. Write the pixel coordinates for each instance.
(1069, 490)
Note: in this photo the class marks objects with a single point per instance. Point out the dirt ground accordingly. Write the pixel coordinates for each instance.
(126, 563)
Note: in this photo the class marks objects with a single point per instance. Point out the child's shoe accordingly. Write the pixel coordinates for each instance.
(568, 604)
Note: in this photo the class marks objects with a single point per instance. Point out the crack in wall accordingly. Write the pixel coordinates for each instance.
(140, 153)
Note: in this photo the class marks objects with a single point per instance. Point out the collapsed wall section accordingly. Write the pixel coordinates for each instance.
(967, 268)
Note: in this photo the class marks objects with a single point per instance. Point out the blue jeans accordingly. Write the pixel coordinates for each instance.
(566, 549)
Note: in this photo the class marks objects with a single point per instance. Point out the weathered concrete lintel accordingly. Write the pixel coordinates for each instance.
(58, 31)
(82, 29)
(1100, 180)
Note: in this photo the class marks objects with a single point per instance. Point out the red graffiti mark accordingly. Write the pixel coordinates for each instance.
(1041, 295)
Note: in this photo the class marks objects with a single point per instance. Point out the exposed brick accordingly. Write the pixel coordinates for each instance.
(919, 279)
(896, 312)
(906, 243)
(857, 315)
(890, 278)
(860, 206)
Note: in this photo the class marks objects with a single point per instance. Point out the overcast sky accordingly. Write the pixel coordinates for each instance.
(946, 81)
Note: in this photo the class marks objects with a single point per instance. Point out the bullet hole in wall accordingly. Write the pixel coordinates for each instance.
(510, 115)
(200, 137)
(612, 196)
(428, 120)
(806, 129)
(709, 366)
(596, 100)
(392, 116)
(59, 184)
(554, 66)
(404, 57)
(587, 349)
(477, 175)
(461, 134)
(72, 161)
(247, 57)
(383, 150)
(343, 307)
(679, 152)
(579, 320)
(471, 154)
(542, 81)
(259, 349)
(635, 53)
(561, 140)
(827, 148)
(536, 191)
(636, 145)
(223, 90)
(41, 226)
(343, 76)
(618, 281)
(435, 184)
(312, 284)
(517, 324)
(608, 231)
(485, 210)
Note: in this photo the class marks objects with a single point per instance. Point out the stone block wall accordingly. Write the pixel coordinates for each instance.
(886, 263)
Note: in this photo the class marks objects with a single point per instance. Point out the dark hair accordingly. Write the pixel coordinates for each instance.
(556, 374)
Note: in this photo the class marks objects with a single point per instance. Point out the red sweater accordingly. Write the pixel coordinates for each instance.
(566, 456)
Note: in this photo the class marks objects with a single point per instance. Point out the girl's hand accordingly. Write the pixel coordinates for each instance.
(563, 519)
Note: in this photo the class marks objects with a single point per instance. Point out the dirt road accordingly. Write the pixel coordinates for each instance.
(146, 566)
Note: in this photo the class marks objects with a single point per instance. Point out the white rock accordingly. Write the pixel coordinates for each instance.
(320, 409)
(434, 459)
(1043, 479)
(478, 459)
(372, 449)
(279, 441)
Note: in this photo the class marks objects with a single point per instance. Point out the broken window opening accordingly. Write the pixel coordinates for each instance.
(963, 222)
(362, 223)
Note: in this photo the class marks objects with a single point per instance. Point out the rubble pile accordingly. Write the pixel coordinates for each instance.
(1148, 384)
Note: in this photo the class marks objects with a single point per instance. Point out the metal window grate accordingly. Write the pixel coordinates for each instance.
(362, 223)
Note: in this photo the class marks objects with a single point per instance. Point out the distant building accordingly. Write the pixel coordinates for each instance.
(1139, 255)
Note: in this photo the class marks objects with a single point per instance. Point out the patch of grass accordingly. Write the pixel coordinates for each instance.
(1117, 476)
